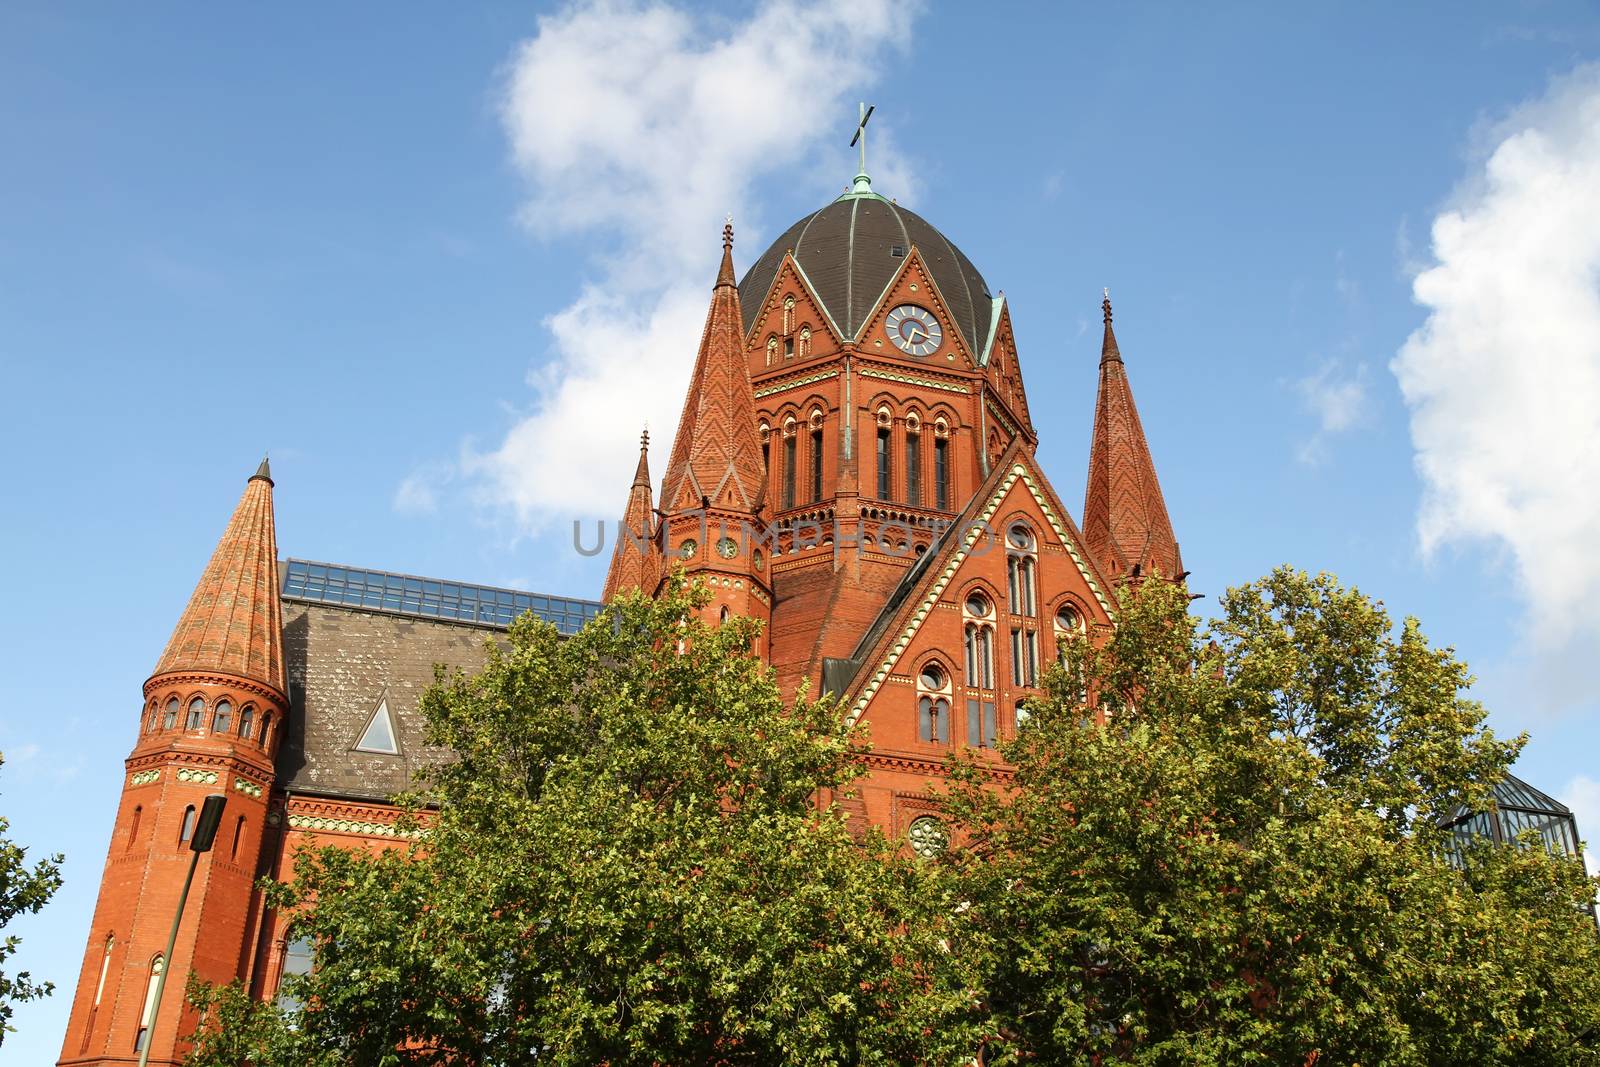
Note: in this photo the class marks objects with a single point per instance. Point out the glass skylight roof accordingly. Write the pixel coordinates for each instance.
(430, 598)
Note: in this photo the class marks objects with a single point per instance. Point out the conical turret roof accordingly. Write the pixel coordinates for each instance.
(1125, 522)
(716, 456)
(234, 622)
(634, 560)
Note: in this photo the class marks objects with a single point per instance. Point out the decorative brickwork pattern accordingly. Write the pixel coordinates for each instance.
(1124, 517)
(233, 624)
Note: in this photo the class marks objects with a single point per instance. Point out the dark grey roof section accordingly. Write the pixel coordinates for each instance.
(836, 675)
(847, 253)
(341, 662)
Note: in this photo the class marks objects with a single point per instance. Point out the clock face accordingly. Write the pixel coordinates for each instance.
(914, 330)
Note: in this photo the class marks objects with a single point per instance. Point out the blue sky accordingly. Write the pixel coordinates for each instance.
(442, 268)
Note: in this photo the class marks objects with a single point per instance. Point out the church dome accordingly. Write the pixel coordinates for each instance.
(851, 249)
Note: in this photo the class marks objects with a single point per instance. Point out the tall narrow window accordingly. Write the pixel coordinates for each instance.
(913, 469)
(816, 463)
(197, 714)
(297, 959)
(980, 723)
(247, 719)
(186, 831)
(99, 991)
(1017, 677)
(1020, 564)
(788, 470)
(883, 463)
(155, 716)
(933, 704)
(133, 824)
(1031, 649)
(266, 727)
(941, 473)
(148, 1017)
(222, 721)
(171, 718)
(238, 836)
(978, 614)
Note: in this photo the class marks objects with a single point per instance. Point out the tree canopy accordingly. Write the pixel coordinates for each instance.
(23, 891)
(1210, 844)
(625, 864)
(1241, 864)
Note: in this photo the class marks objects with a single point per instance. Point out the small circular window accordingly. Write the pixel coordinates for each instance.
(927, 836)
(688, 548)
(1020, 537)
(978, 606)
(1068, 618)
(933, 677)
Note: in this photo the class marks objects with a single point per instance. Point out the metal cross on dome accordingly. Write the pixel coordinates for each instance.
(860, 136)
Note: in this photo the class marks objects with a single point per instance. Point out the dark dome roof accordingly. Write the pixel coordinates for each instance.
(847, 252)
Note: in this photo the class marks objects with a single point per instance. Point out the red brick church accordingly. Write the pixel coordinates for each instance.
(854, 466)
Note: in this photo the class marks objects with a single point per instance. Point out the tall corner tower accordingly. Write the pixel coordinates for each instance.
(714, 493)
(210, 722)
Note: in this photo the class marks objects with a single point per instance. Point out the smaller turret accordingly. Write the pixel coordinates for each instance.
(636, 561)
(1125, 524)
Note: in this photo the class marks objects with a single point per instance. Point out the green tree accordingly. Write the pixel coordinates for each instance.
(23, 891)
(1242, 866)
(626, 862)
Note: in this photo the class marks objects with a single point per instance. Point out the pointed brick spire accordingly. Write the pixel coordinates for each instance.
(635, 563)
(716, 457)
(1125, 522)
(234, 623)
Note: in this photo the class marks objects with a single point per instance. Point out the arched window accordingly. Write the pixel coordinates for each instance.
(186, 831)
(805, 342)
(148, 1017)
(133, 824)
(723, 617)
(979, 616)
(884, 421)
(933, 703)
(941, 465)
(105, 969)
(247, 719)
(1021, 564)
(266, 728)
(222, 719)
(171, 718)
(197, 714)
(298, 956)
(1069, 623)
(816, 456)
(788, 463)
(155, 716)
(913, 461)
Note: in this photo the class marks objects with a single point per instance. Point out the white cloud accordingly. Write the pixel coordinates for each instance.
(1582, 795)
(1503, 378)
(1336, 399)
(638, 127)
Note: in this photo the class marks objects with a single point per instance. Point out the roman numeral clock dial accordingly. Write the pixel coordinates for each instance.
(914, 330)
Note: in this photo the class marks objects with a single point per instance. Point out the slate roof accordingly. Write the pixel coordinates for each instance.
(847, 251)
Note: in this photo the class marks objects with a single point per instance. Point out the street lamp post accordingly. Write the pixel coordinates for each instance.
(205, 832)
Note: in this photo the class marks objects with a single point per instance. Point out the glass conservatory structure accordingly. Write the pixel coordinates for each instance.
(1518, 807)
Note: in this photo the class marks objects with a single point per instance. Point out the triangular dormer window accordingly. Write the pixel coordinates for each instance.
(380, 736)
